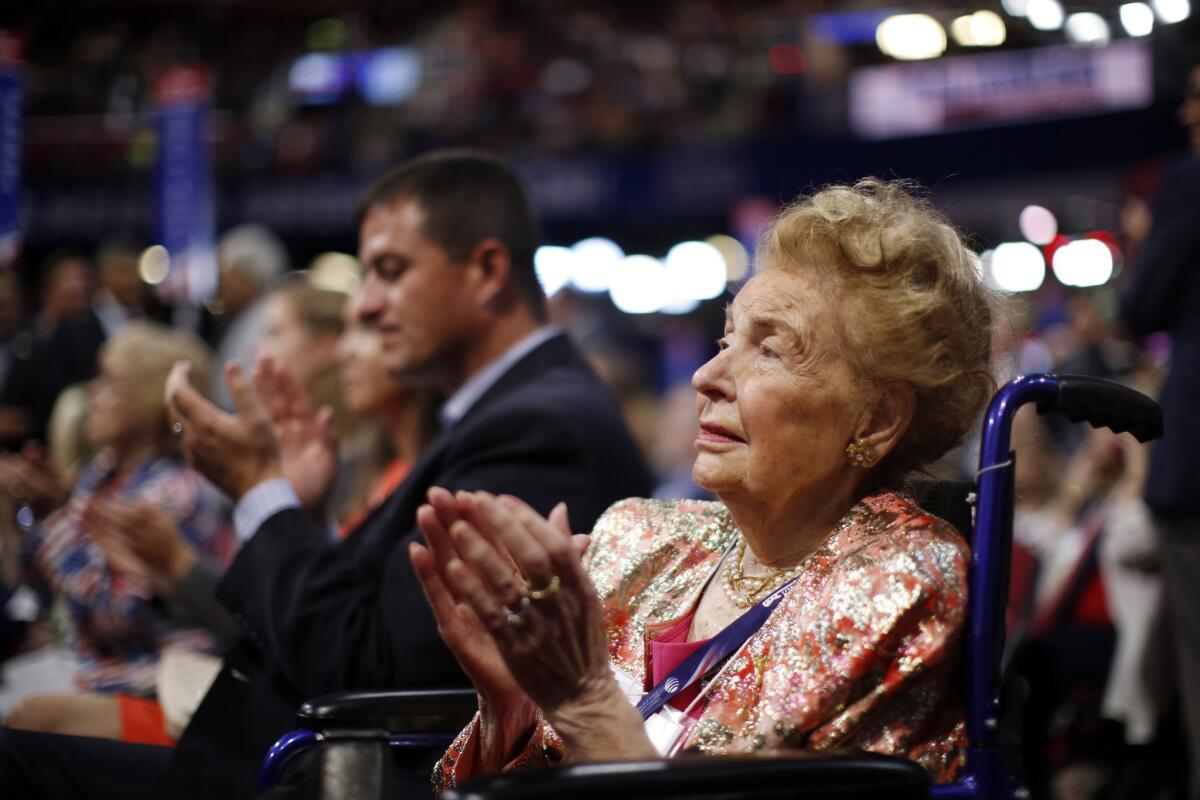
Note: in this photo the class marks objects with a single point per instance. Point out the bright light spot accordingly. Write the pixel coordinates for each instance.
(1087, 27)
(390, 75)
(737, 259)
(640, 285)
(1137, 19)
(335, 272)
(596, 258)
(680, 305)
(554, 267)
(153, 264)
(1045, 15)
(1083, 262)
(696, 271)
(1015, 8)
(1172, 11)
(981, 29)
(315, 73)
(1017, 267)
(1038, 224)
(911, 37)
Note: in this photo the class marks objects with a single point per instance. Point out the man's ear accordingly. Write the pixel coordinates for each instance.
(888, 420)
(491, 270)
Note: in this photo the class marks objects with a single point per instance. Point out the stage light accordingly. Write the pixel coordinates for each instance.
(1038, 224)
(554, 267)
(596, 258)
(335, 272)
(737, 258)
(1017, 267)
(1045, 15)
(1087, 28)
(1137, 19)
(981, 29)
(1015, 8)
(153, 265)
(1172, 11)
(911, 37)
(639, 285)
(1083, 262)
(696, 271)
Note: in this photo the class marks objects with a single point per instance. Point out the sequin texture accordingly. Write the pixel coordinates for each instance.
(863, 654)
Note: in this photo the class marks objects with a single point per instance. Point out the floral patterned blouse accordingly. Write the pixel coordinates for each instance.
(117, 627)
(863, 654)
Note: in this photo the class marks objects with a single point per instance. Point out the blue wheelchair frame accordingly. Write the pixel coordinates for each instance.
(1101, 403)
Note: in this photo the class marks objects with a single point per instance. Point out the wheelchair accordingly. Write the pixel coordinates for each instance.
(429, 719)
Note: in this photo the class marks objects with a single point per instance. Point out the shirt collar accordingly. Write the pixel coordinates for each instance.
(459, 403)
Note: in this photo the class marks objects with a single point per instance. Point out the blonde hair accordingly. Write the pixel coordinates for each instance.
(150, 350)
(913, 307)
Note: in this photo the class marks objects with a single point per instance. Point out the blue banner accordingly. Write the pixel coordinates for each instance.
(11, 94)
(186, 221)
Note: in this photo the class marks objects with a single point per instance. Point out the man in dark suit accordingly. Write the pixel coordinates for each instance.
(1163, 294)
(447, 244)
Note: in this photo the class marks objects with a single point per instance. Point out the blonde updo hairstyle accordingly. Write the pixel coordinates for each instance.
(912, 307)
(149, 350)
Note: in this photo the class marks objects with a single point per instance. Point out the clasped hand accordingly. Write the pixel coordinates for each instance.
(514, 604)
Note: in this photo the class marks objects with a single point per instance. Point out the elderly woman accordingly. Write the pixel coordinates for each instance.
(816, 606)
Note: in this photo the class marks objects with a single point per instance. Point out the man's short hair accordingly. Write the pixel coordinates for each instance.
(468, 197)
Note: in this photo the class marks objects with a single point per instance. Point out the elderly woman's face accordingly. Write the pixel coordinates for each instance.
(778, 404)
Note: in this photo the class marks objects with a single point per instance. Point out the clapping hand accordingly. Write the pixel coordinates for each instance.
(234, 451)
(307, 441)
(30, 478)
(141, 539)
(516, 606)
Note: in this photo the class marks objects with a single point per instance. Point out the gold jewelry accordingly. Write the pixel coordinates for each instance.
(745, 590)
(543, 593)
(860, 454)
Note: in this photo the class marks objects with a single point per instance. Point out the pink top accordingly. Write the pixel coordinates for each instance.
(667, 652)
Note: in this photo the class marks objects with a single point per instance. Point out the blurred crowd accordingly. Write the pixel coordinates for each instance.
(511, 76)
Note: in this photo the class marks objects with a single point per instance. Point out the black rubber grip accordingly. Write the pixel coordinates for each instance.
(1105, 404)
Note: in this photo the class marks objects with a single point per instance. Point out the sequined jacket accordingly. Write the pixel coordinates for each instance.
(863, 654)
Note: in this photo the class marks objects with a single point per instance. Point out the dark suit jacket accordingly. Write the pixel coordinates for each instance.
(1164, 295)
(323, 618)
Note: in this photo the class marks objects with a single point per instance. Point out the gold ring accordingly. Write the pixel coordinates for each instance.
(542, 594)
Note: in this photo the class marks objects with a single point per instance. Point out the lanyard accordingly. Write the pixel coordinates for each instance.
(732, 637)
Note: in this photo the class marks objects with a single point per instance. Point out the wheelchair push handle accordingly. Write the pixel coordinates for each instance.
(1104, 404)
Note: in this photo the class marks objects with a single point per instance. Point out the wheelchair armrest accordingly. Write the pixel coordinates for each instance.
(699, 776)
(410, 711)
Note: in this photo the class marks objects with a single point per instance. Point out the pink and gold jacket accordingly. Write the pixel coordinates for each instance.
(863, 653)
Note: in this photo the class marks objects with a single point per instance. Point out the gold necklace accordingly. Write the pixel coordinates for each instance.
(745, 590)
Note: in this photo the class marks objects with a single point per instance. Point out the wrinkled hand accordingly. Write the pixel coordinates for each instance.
(545, 619)
(308, 446)
(30, 478)
(234, 451)
(506, 711)
(143, 538)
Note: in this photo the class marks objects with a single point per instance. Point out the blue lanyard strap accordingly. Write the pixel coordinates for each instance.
(732, 637)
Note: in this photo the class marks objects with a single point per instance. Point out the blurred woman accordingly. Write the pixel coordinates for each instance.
(116, 629)
(815, 606)
(404, 418)
(302, 325)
